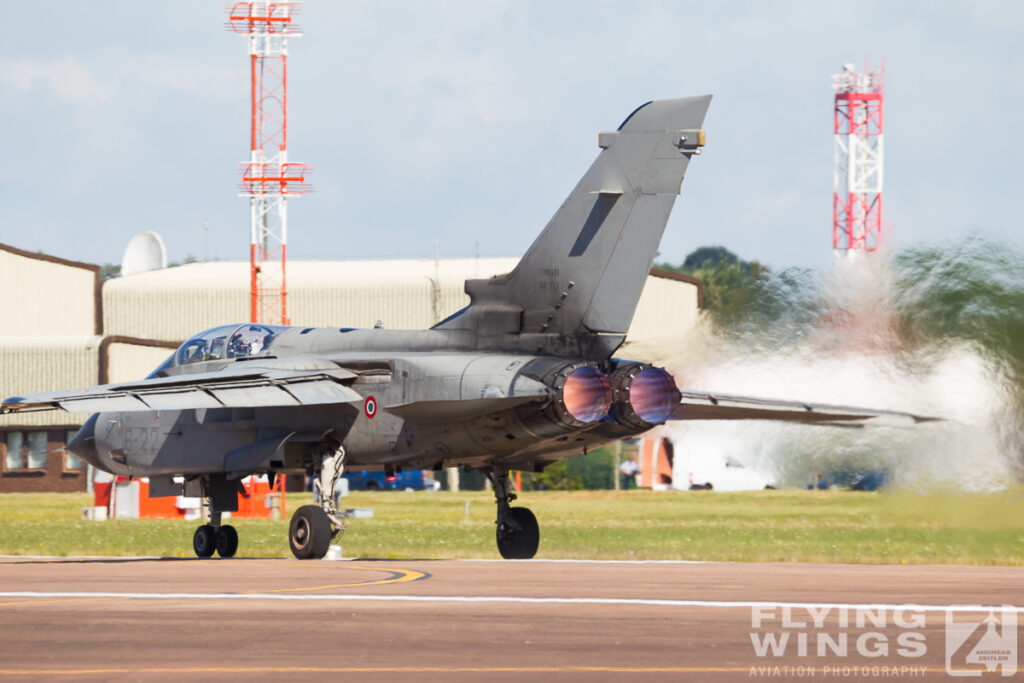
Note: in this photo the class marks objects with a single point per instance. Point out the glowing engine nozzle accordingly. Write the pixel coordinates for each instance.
(644, 395)
(653, 395)
(586, 394)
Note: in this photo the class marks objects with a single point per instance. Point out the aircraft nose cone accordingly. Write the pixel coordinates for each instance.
(83, 444)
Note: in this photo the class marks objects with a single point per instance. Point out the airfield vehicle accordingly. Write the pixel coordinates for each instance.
(382, 481)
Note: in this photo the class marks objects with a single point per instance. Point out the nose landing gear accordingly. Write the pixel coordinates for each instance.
(220, 495)
(215, 537)
(204, 541)
(227, 541)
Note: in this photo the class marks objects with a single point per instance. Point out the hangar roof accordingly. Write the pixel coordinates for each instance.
(319, 273)
(175, 303)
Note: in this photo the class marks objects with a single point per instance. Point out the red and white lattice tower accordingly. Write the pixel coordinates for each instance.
(857, 182)
(269, 178)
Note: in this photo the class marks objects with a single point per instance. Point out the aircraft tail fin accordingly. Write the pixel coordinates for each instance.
(576, 288)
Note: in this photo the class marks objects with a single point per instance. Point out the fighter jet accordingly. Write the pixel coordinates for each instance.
(524, 375)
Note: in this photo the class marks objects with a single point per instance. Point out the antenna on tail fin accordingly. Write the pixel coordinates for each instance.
(575, 290)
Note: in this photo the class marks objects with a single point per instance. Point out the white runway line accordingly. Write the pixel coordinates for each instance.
(647, 602)
(356, 559)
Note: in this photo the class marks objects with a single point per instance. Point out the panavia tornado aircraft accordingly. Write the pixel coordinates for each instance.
(523, 376)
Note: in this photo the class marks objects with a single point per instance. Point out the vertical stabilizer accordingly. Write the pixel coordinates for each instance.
(575, 290)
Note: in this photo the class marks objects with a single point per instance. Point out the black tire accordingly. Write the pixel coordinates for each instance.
(372, 486)
(309, 533)
(227, 541)
(204, 541)
(518, 543)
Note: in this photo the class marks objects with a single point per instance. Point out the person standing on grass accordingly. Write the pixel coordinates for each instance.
(629, 468)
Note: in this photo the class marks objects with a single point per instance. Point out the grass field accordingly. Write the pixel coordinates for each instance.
(787, 526)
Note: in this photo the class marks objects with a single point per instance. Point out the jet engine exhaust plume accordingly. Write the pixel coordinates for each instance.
(586, 394)
(933, 330)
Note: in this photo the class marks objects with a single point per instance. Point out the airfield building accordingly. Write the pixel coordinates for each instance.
(64, 328)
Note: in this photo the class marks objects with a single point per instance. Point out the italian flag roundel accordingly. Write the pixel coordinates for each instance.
(370, 407)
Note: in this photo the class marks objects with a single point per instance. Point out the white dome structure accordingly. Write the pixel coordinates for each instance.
(145, 252)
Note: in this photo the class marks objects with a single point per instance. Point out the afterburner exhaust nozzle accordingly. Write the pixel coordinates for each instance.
(644, 395)
(586, 394)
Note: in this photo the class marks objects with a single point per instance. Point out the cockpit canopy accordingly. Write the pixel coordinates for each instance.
(228, 341)
(224, 342)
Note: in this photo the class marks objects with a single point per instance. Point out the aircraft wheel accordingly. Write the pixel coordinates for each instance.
(309, 533)
(204, 541)
(227, 541)
(518, 543)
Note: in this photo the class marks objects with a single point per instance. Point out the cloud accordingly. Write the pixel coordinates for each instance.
(73, 80)
(67, 78)
(173, 74)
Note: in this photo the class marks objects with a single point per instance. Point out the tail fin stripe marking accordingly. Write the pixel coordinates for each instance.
(602, 207)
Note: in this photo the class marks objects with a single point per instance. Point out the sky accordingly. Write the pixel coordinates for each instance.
(466, 124)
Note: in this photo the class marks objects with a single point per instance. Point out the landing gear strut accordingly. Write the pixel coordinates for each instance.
(312, 527)
(518, 534)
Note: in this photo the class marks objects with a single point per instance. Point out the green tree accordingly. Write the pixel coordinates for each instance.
(593, 470)
(731, 284)
(555, 477)
(190, 258)
(109, 270)
(703, 257)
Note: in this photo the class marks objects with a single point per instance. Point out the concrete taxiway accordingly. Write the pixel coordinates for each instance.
(151, 618)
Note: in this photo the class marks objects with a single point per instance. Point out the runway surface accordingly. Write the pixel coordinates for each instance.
(163, 619)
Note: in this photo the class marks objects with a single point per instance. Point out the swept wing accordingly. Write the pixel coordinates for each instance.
(702, 405)
(263, 382)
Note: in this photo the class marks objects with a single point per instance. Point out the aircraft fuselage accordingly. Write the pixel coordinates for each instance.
(427, 409)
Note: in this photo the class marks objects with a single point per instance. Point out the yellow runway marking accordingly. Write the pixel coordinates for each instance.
(414, 669)
(400, 576)
(58, 559)
(405, 575)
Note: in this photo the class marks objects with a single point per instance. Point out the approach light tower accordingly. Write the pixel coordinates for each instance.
(857, 180)
(268, 178)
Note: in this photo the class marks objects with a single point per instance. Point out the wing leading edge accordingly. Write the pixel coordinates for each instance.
(244, 386)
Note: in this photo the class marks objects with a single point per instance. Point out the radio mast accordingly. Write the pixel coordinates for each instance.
(859, 155)
(268, 177)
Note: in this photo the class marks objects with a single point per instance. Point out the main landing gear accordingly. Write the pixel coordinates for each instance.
(517, 534)
(220, 495)
(312, 528)
(215, 537)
